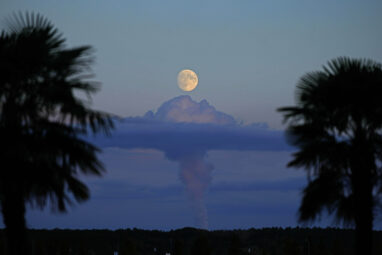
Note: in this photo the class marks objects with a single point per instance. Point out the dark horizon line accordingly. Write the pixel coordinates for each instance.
(196, 229)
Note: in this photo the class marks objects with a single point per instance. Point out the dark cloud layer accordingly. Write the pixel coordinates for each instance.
(121, 190)
(191, 131)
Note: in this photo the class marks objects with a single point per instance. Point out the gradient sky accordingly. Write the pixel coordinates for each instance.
(248, 55)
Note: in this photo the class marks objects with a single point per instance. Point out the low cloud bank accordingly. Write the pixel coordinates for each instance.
(182, 125)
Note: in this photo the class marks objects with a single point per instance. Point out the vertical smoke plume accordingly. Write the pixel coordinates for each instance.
(195, 173)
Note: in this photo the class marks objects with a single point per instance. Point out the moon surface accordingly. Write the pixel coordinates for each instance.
(187, 80)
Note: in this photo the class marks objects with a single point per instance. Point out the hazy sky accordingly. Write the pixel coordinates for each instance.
(248, 55)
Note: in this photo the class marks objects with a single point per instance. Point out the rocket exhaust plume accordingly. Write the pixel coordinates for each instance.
(185, 130)
(195, 173)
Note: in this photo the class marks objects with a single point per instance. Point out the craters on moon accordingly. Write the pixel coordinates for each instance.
(187, 80)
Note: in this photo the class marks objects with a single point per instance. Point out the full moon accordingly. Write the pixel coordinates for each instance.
(187, 80)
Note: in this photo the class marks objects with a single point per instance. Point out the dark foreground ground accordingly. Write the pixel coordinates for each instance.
(190, 241)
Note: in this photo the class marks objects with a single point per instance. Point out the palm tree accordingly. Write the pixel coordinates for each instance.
(43, 123)
(337, 127)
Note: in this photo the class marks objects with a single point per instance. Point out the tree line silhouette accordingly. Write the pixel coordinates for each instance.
(190, 241)
(336, 125)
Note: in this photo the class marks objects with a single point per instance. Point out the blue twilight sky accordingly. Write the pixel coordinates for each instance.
(248, 55)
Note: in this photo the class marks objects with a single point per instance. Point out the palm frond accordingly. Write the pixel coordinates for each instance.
(40, 110)
(18, 22)
(322, 193)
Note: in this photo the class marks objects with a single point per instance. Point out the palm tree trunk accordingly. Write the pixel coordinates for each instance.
(362, 164)
(363, 220)
(13, 210)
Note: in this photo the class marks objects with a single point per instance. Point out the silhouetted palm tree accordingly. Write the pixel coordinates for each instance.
(337, 126)
(43, 123)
